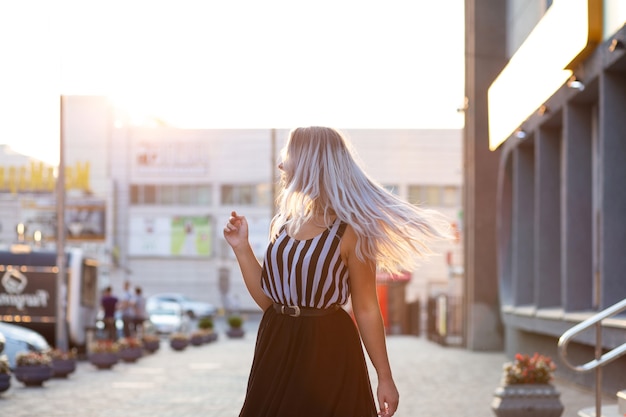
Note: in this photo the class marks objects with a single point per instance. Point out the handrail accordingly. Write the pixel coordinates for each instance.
(584, 325)
(600, 359)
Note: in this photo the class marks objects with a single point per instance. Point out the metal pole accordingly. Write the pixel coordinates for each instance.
(61, 330)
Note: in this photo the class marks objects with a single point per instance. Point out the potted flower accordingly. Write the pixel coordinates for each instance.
(206, 326)
(130, 349)
(151, 342)
(179, 341)
(526, 388)
(33, 368)
(235, 323)
(63, 362)
(103, 354)
(5, 373)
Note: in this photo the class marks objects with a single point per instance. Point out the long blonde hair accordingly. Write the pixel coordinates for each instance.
(321, 176)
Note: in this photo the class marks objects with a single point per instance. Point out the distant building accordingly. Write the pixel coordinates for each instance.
(151, 202)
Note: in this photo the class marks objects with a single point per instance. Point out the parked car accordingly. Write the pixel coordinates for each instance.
(194, 309)
(20, 339)
(168, 317)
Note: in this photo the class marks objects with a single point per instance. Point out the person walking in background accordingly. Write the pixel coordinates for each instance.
(128, 310)
(140, 311)
(334, 228)
(108, 302)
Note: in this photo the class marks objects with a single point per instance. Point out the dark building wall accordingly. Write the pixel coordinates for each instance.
(556, 205)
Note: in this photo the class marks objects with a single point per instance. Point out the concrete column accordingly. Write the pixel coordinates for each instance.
(523, 226)
(576, 209)
(612, 188)
(485, 22)
(547, 219)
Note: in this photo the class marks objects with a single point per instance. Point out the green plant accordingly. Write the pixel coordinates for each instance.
(32, 359)
(205, 323)
(235, 321)
(525, 369)
(4, 365)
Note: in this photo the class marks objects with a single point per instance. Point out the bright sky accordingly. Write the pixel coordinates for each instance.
(232, 64)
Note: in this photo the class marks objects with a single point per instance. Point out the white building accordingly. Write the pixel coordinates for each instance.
(169, 191)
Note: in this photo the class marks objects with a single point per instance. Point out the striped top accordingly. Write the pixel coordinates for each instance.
(306, 273)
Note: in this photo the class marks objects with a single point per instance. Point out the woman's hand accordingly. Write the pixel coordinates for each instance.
(236, 230)
(388, 398)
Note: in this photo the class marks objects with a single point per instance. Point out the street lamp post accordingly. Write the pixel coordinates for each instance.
(61, 331)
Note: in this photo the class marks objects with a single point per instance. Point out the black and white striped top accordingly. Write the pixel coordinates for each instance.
(307, 273)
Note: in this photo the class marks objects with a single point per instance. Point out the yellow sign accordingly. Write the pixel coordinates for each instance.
(566, 34)
(39, 177)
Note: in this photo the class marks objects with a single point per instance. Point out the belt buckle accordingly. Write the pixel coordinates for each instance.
(296, 310)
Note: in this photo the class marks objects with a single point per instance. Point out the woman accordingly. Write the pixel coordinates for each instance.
(334, 228)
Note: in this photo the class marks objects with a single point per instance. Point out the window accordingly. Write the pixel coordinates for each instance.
(434, 195)
(246, 194)
(167, 195)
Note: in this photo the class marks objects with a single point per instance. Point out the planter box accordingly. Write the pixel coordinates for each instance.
(527, 400)
(5, 382)
(179, 344)
(61, 368)
(103, 360)
(33, 375)
(130, 354)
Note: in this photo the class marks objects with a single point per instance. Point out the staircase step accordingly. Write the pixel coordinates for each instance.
(607, 411)
(621, 402)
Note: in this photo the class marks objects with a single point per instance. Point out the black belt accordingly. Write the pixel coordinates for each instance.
(295, 311)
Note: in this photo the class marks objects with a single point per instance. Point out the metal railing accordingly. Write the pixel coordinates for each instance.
(600, 359)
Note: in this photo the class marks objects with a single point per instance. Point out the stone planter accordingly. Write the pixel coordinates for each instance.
(33, 375)
(179, 344)
(103, 360)
(152, 345)
(61, 368)
(235, 332)
(5, 382)
(210, 337)
(130, 355)
(197, 340)
(527, 400)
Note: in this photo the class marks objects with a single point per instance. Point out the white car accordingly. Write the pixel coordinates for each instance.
(167, 317)
(20, 339)
(194, 309)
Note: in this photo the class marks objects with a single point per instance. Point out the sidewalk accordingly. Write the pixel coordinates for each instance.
(210, 381)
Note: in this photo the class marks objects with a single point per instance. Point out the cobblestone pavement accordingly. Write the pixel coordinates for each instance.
(210, 381)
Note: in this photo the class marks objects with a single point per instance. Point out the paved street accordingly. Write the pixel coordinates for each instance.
(210, 381)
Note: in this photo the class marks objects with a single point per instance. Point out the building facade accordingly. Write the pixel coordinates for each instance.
(168, 191)
(546, 103)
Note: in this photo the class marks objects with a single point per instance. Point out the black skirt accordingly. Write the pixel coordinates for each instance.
(308, 366)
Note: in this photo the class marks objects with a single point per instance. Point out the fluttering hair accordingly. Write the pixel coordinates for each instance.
(321, 176)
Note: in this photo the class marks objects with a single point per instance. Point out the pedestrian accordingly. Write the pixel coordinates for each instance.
(128, 310)
(140, 314)
(335, 226)
(108, 302)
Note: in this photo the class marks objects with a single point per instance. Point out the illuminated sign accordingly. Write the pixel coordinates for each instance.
(566, 34)
(38, 177)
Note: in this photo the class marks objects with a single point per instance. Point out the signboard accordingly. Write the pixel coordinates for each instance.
(27, 295)
(170, 236)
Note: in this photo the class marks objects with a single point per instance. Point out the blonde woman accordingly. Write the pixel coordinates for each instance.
(334, 229)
